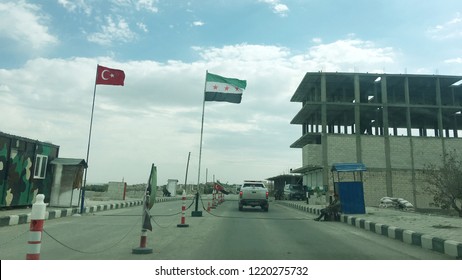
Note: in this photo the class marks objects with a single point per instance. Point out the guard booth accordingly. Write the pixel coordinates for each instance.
(348, 184)
(67, 181)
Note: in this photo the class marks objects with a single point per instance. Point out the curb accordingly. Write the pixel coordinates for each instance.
(444, 246)
(12, 220)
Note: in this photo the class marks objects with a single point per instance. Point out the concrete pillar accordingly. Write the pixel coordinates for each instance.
(358, 118)
(325, 161)
(389, 178)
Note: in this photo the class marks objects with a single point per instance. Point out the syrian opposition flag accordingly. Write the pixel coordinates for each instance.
(218, 88)
(108, 76)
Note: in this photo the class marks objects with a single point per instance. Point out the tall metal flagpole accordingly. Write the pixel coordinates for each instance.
(202, 132)
(82, 191)
(198, 213)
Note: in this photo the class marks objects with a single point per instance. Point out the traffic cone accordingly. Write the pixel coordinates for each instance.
(183, 209)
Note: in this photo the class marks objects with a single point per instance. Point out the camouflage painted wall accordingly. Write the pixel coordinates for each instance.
(18, 162)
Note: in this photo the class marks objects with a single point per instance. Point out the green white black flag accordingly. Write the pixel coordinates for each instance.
(218, 88)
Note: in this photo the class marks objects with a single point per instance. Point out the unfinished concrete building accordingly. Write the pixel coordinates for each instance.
(395, 124)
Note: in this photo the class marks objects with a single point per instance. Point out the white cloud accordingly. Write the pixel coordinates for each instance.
(277, 7)
(76, 5)
(349, 55)
(317, 40)
(198, 23)
(448, 30)
(139, 5)
(146, 5)
(457, 60)
(280, 9)
(113, 32)
(31, 30)
(243, 52)
(142, 26)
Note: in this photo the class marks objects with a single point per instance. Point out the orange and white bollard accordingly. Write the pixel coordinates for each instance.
(183, 209)
(214, 202)
(36, 228)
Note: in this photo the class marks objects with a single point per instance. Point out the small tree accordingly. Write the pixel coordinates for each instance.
(445, 182)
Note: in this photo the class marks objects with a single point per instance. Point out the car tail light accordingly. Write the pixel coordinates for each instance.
(240, 194)
(266, 195)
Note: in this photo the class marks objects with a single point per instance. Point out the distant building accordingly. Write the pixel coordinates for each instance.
(117, 190)
(393, 123)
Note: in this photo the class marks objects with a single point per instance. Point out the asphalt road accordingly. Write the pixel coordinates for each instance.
(283, 233)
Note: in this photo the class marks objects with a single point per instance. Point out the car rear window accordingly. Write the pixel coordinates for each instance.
(253, 185)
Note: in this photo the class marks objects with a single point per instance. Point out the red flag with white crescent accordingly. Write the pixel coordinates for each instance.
(108, 76)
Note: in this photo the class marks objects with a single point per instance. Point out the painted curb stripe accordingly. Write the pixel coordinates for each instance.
(407, 236)
(451, 247)
(51, 215)
(14, 220)
(438, 244)
(5, 221)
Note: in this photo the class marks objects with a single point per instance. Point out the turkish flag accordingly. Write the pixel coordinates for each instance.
(220, 188)
(108, 76)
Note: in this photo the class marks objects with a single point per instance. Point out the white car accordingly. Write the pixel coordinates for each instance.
(253, 193)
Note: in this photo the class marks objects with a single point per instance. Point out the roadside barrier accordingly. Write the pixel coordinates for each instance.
(214, 199)
(183, 209)
(146, 225)
(36, 228)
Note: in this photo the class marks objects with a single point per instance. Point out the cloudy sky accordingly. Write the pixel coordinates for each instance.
(50, 49)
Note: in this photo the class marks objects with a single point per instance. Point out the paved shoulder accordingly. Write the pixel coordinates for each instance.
(437, 233)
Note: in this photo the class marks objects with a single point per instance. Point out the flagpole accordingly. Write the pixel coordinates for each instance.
(202, 132)
(82, 192)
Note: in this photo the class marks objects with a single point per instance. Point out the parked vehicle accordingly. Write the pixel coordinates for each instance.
(253, 193)
(294, 192)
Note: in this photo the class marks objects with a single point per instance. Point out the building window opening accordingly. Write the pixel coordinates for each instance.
(40, 166)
